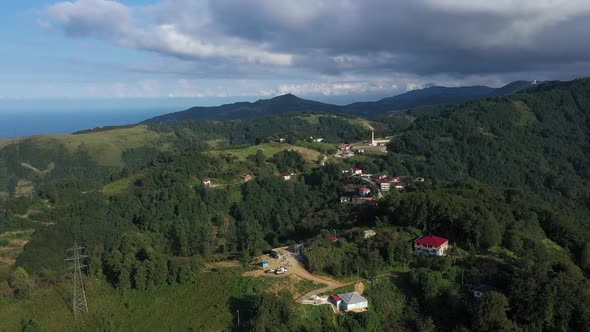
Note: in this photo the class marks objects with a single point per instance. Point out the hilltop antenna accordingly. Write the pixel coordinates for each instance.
(78, 293)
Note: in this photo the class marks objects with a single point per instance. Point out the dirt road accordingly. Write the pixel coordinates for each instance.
(295, 267)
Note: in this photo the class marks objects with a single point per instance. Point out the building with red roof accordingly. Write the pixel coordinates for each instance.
(286, 176)
(357, 171)
(384, 184)
(364, 191)
(207, 182)
(431, 245)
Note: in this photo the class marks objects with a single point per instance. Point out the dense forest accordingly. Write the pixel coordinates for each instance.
(507, 184)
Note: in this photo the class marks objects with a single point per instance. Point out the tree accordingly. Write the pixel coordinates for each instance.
(490, 314)
(22, 282)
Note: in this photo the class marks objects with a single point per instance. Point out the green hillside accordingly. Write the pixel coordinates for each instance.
(506, 181)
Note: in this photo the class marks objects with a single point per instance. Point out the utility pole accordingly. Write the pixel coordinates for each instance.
(238, 318)
(78, 293)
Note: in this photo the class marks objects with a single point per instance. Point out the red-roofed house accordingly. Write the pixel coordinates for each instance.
(431, 245)
(246, 177)
(364, 191)
(207, 182)
(384, 184)
(357, 171)
(286, 176)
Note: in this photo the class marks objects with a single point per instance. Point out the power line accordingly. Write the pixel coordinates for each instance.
(78, 293)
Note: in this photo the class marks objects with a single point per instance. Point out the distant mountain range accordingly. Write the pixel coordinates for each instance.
(289, 103)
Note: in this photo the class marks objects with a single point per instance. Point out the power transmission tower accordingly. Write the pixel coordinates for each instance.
(78, 293)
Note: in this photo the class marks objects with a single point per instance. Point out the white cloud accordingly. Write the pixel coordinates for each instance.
(332, 47)
(114, 21)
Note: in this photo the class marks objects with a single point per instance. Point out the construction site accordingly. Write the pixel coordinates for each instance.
(284, 262)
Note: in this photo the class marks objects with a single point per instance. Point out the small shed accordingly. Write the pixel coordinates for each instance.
(264, 263)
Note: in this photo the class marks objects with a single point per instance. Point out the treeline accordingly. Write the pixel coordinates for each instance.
(296, 125)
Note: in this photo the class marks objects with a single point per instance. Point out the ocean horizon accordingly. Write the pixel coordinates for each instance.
(28, 123)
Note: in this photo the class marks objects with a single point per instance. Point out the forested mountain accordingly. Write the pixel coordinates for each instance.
(507, 182)
(289, 103)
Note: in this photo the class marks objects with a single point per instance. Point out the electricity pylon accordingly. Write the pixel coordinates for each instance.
(78, 293)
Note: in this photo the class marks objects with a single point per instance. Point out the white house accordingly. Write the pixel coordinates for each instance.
(384, 185)
(207, 182)
(286, 176)
(350, 301)
(357, 171)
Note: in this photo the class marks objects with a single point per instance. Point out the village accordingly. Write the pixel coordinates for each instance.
(365, 188)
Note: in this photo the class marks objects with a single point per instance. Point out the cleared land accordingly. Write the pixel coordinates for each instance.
(295, 268)
(269, 150)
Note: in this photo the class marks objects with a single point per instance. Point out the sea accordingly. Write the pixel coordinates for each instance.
(20, 118)
(28, 123)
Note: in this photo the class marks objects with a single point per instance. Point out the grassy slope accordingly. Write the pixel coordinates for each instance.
(269, 150)
(106, 147)
(207, 305)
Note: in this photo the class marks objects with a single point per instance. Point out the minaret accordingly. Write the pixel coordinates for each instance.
(373, 138)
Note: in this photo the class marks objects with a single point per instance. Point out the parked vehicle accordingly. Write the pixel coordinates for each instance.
(270, 271)
(280, 270)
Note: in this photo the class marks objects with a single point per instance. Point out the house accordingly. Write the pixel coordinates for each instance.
(350, 301)
(246, 177)
(345, 199)
(333, 238)
(264, 263)
(207, 182)
(384, 185)
(286, 176)
(481, 290)
(345, 147)
(431, 245)
(400, 186)
(360, 150)
(369, 233)
(419, 179)
(345, 171)
(319, 140)
(364, 191)
(401, 178)
(357, 171)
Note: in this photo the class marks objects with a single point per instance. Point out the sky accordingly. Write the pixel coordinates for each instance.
(331, 50)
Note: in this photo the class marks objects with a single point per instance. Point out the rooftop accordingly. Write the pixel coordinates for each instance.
(431, 240)
(352, 298)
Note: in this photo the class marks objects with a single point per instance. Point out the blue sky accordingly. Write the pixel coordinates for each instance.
(333, 50)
